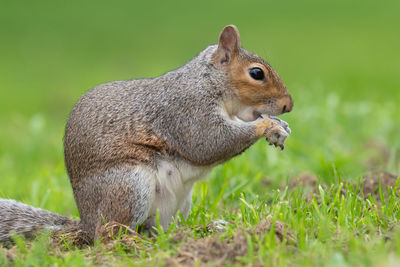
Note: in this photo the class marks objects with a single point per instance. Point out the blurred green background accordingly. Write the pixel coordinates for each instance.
(340, 61)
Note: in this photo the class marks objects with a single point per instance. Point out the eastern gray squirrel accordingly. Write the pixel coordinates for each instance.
(137, 146)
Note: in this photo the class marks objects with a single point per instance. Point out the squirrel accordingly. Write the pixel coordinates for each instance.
(136, 147)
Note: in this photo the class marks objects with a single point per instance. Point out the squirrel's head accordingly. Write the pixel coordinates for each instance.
(258, 88)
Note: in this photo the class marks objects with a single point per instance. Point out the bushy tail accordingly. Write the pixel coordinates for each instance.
(19, 218)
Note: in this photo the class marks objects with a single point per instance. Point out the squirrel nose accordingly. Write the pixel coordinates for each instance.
(289, 106)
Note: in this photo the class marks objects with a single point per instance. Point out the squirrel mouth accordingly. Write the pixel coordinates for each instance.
(256, 115)
(249, 114)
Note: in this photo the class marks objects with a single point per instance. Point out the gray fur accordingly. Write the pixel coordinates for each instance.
(195, 93)
(122, 194)
(18, 218)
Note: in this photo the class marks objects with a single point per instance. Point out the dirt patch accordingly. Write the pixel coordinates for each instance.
(282, 232)
(213, 249)
(110, 234)
(379, 155)
(370, 184)
(114, 235)
(372, 180)
(114, 238)
(71, 236)
(216, 250)
(180, 236)
(10, 253)
(308, 181)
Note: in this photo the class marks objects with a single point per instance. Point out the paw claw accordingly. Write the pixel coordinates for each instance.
(276, 136)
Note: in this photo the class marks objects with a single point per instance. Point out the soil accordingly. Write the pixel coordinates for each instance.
(308, 181)
(214, 250)
(372, 180)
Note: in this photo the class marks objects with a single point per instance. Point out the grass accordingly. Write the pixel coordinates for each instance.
(340, 63)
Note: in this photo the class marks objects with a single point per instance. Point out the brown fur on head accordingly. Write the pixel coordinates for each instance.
(254, 96)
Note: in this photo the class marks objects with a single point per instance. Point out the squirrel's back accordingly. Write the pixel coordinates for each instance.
(131, 121)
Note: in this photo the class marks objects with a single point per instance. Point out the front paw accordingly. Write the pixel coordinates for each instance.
(277, 134)
(282, 123)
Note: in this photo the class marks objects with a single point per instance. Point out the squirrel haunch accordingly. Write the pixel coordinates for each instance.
(136, 147)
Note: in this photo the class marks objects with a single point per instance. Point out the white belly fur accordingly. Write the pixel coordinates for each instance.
(174, 186)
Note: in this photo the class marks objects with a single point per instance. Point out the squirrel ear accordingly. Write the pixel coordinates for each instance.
(228, 45)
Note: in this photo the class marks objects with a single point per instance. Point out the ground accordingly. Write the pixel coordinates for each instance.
(329, 199)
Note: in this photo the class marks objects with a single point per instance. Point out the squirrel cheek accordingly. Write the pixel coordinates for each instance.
(246, 114)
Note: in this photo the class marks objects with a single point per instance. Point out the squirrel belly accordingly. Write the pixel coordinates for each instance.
(173, 190)
(136, 147)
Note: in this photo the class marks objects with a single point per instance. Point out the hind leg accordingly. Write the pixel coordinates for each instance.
(123, 194)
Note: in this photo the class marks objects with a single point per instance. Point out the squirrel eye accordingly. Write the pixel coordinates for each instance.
(256, 73)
